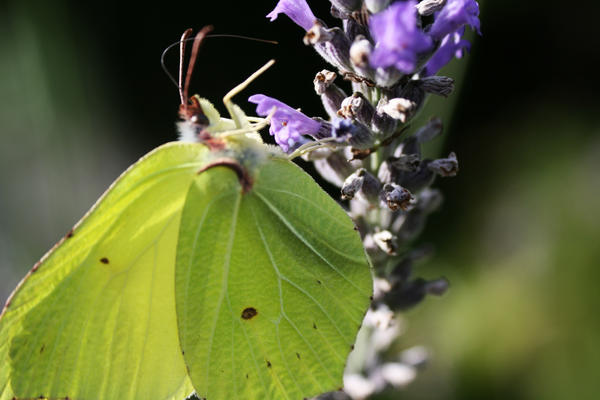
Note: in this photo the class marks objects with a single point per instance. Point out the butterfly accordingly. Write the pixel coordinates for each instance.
(215, 266)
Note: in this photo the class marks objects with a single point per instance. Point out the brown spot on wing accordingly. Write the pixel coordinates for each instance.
(249, 313)
(104, 260)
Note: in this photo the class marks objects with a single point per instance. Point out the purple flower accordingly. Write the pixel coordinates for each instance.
(454, 15)
(287, 125)
(452, 46)
(397, 36)
(297, 10)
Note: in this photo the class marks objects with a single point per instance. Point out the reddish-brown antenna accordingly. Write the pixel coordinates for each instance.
(190, 112)
(182, 42)
(195, 47)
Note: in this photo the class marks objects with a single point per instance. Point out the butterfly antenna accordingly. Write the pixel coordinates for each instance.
(196, 46)
(182, 42)
(186, 38)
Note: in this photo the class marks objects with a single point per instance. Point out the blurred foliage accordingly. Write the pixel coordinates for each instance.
(82, 96)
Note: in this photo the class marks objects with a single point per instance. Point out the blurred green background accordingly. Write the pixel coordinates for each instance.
(82, 96)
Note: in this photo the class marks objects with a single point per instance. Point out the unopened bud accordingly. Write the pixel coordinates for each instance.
(406, 162)
(445, 167)
(437, 287)
(334, 168)
(371, 187)
(415, 181)
(383, 123)
(323, 80)
(357, 107)
(385, 241)
(398, 108)
(430, 131)
(387, 77)
(428, 7)
(353, 184)
(406, 295)
(354, 132)
(396, 197)
(375, 6)
(360, 51)
(346, 5)
(331, 95)
(353, 27)
(439, 85)
(331, 44)
(409, 145)
(317, 34)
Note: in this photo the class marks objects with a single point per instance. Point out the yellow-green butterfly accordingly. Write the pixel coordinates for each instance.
(217, 267)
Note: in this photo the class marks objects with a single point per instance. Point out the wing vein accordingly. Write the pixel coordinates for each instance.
(276, 269)
(277, 213)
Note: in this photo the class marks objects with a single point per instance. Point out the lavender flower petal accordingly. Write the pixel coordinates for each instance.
(454, 15)
(452, 46)
(287, 125)
(297, 10)
(397, 36)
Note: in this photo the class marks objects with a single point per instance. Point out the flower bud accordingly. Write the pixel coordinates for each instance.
(410, 145)
(335, 168)
(353, 184)
(439, 85)
(375, 6)
(346, 5)
(359, 53)
(331, 44)
(406, 162)
(323, 80)
(396, 197)
(354, 132)
(414, 92)
(398, 108)
(354, 28)
(428, 7)
(437, 287)
(415, 181)
(385, 241)
(412, 293)
(317, 34)
(371, 187)
(382, 123)
(331, 95)
(445, 167)
(429, 131)
(357, 107)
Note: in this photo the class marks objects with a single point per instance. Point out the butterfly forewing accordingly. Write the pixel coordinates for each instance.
(96, 320)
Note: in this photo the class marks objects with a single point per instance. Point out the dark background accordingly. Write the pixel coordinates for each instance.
(82, 96)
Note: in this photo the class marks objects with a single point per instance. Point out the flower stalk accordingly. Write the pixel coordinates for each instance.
(390, 51)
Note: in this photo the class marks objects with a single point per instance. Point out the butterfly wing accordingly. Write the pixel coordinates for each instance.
(95, 318)
(271, 285)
